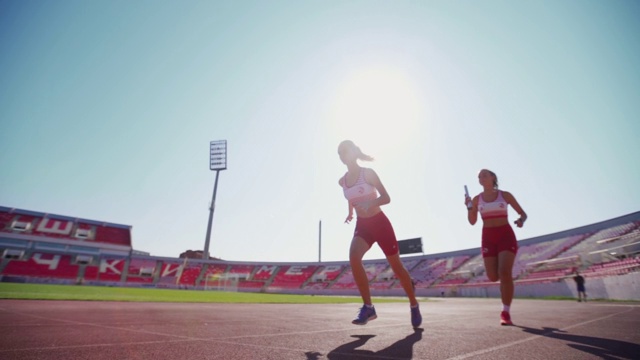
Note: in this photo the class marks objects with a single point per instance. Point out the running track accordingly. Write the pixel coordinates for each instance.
(452, 329)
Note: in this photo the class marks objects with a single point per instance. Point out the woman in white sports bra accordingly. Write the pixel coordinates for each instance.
(365, 193)
(499, 244)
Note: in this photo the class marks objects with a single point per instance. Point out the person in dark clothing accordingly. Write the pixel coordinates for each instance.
(582, 295)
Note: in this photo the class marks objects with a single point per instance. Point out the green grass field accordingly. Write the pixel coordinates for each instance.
(103, 293)
(100, 293)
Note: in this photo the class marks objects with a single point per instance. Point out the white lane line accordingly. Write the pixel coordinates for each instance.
(534, 337)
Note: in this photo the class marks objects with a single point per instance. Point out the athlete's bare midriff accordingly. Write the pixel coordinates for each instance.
(367, 214)
(489, 223)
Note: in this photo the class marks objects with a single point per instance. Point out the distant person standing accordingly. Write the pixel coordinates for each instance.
(365, 193)
(499, 244)
(582, 295)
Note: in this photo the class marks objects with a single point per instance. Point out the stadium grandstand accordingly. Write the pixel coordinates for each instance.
(46, 248)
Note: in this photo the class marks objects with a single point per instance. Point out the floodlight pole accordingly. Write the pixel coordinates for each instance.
(320, 242)
(205, 255)
(217, 162)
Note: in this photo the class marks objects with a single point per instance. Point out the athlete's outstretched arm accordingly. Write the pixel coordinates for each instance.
(350, 216)
(511, 200)
(350, 213)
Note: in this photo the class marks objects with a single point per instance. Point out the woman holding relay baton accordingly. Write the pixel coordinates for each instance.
(499, 244)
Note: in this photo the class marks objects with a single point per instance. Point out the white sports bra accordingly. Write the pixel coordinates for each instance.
(493, 210)
(360, 191)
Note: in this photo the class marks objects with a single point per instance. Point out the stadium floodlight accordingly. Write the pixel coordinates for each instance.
(218, 155)
(217, 163)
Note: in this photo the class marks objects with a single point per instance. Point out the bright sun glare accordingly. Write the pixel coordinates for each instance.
(379, 108)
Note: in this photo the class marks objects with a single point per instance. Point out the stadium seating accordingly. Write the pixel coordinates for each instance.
(5, 220)
(243, 271)
(346, 281)
(328, 273)
(76, 230)
(189, 274)
(171, 271)
(315, 286)
(43, 265)
(471, 270)
(141, 270)
(612, 268)
(292, 276)
(599, 239)
(430, 270)
(43, 247)
(264, 272)
(110, 270)
(212, 272)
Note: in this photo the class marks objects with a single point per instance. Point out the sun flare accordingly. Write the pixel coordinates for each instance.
(379, 108)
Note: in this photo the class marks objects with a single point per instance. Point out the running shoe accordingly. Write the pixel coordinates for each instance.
(505, 318)
(416, 317)
(365, 314)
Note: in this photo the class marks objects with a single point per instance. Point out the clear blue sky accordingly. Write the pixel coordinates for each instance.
(107, 109)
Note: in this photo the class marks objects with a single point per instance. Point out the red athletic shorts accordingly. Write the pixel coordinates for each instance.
(377, 229)
(498, 239)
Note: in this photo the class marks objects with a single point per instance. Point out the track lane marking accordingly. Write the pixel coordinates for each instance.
(534, 337)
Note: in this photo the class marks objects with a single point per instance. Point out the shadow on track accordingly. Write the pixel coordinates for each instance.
(601, 347)
(402, 348)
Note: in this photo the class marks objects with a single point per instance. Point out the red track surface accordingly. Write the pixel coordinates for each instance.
(452, 329)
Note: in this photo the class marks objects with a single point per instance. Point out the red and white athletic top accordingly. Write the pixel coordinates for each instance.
(494, 209)
(360, 191)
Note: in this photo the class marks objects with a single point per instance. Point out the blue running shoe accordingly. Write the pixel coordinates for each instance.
(416, 317)
(365, 315)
